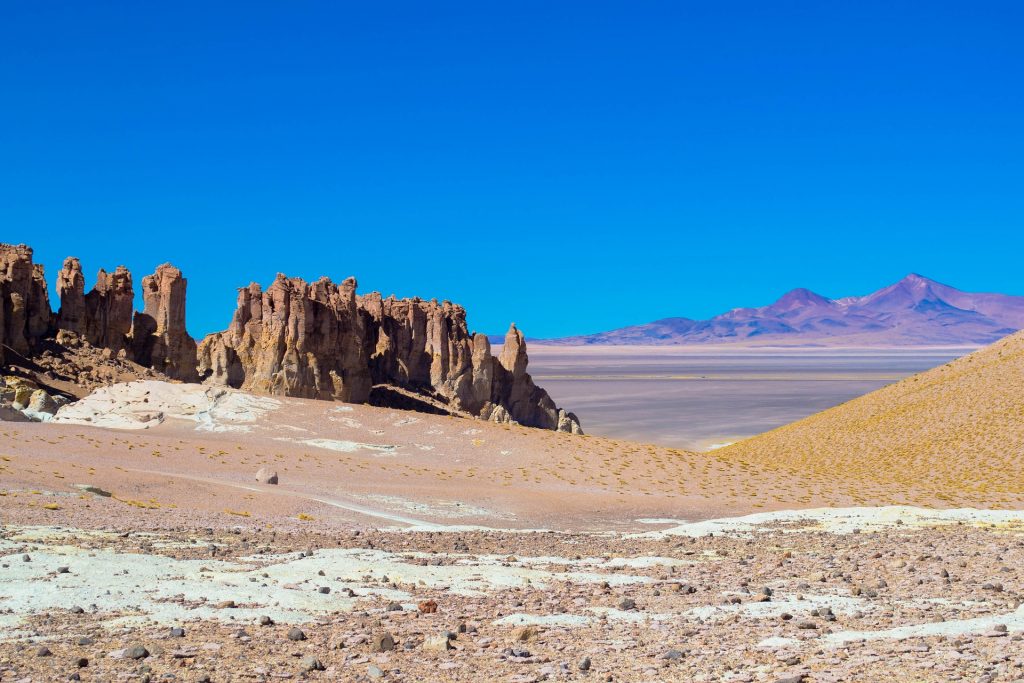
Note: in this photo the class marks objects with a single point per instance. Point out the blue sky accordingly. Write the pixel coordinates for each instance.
(571, 166)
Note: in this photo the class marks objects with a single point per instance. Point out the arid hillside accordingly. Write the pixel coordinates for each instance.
(954, 434)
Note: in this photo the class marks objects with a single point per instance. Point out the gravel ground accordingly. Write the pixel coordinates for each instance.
(774, 604)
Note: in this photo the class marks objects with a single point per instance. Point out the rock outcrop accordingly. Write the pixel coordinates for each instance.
(109, 307)
(22, 400)
(103, 317)
(310, 340)
(71, 290)
(296, 339)
(25, 315)
(513, 389)
(159, 339)
(321, 340)
(423, 345)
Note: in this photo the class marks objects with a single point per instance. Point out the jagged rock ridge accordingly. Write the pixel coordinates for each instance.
(322, 340)
(312, 340)
(103, 317)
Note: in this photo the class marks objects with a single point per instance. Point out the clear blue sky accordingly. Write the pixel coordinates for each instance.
(571, 166)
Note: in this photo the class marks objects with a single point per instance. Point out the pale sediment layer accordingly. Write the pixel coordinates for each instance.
(898, 602)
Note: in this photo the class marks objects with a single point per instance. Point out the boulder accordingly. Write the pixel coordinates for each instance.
(265, 476)
(382, 642)
(40, 403)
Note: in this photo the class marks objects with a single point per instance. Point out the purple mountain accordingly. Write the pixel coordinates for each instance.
(914, 311)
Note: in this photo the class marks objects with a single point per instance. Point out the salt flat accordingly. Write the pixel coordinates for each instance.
(702, 397)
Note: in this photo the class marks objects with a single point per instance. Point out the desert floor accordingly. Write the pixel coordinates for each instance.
(549, 557)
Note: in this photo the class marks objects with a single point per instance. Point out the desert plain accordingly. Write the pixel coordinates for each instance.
(883, 539)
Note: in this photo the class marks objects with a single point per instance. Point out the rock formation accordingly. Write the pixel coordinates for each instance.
(103, 317)
(25, 316)
(513, 389)
(423, 345)
(71, 290)
(295, 339)
(320, 340)
(310, 340)
(109, 307)
(159, 339)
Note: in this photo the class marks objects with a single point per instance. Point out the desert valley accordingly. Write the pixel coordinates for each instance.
(347, 487)
(460, 342)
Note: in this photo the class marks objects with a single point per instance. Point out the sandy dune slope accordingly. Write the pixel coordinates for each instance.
(952, 435)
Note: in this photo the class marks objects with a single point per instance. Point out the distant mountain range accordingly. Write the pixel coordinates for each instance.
(915, 311)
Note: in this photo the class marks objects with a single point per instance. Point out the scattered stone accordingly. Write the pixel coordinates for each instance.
(524, 634)
(94, 490)
(441, 643)
(382, 642)
(311, 663)
(136, 652)
(266, 476)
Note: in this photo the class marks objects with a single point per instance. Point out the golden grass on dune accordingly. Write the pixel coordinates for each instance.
(951, 436)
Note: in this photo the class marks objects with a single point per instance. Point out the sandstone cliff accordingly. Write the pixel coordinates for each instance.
(103, 317)
(94, 336)
(25, 316)
(295, 339)
(311, 340)
(321, 340)
(159, 339)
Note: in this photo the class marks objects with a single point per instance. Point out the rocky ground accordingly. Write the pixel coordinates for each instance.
(780, 603)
